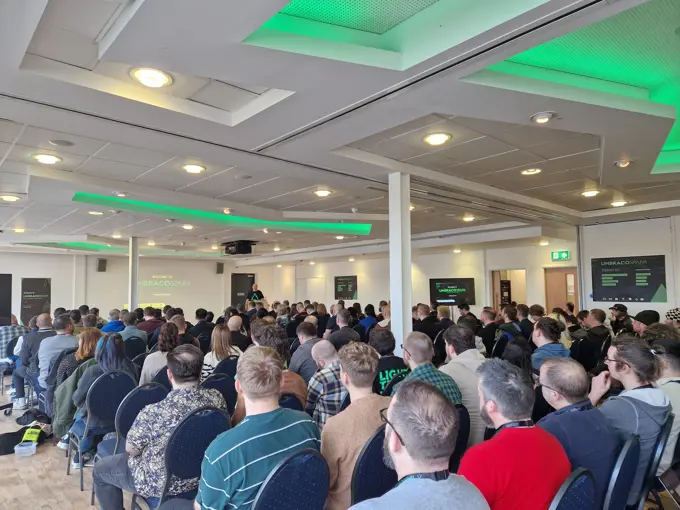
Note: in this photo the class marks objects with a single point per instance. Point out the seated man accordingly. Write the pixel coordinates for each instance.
(302, 362)
(418, 354)
(325, 392)
(202, 325)
(389, 366)
(581, 429)
(420, 437)
(141, 469)
(345, 435)
(130, 319)
(52, 346)
(498, 467)
(235, 464)
(184, 336)
(345, 334)
(150, 322)
(237, 338)
(29, 359)
(115, 325)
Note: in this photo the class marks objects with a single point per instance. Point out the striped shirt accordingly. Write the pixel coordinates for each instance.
(239, 460)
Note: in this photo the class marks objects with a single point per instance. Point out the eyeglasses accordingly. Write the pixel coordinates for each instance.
(614, 360)
(404, 349)
(383, 418)
(540, 385)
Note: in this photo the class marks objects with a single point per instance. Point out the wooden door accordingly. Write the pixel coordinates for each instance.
(561, 287)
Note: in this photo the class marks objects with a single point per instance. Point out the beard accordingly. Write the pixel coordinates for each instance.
(485, 418)
(387, 457)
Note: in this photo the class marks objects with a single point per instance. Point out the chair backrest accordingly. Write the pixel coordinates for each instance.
(225, 385)
(154, 347)
(462, 439)
(134, 402)
(105, 395)
(623, 474)
(387, 391)
(371, 478)
(291, 328)
(139, 360)
(362, 332)
(189, 441)
(227, 366)
(54, 366)
(659, 447)
(161, 377)
(134, 346)
(576, 493)
(204, 340)
(368, 331)
(346, 402)
(299, 482)
(294, 343)
(290, 401)
(605, 346)
(9, 351)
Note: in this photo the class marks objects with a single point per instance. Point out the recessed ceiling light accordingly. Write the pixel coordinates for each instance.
(243, 177)
(619, 203)
(188, 227)
(120, 194)
(542, 117)
(214, 247)
(339, 238)
(194, 169)
(108, 244)
(276, 248)
(265, 230)
(544, 243)
(351, 259)
(226, 210)
(116, 236)
(591, 193)
(311, 262)
(278, 232)
(152, 78)
(151, 243)
(61, 143)
(95, 213)
(437, 138)
(411, 207)
(19, 230)
(531, 171)
(279, 265)
(9, 198)
(468, 218)
(322, 192)
(47, 159)
(623, 163)
(456, 250)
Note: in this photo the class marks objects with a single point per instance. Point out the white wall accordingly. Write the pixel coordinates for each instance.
(518, 285)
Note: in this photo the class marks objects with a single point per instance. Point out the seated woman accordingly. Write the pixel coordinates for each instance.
(87, 343)
(168, 339)
(220, 349)
(370, 319)
(110, 357)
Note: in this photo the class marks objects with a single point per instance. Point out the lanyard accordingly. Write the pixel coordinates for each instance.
(515, 424)
(437, 476)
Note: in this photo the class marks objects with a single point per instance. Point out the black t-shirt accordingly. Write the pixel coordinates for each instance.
(256, 295)
(388, 367)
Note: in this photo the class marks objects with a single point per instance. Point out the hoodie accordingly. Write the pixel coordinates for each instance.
(642, 411)
(552, 350)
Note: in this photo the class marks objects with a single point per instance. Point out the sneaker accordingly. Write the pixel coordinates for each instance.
(20, 404)
(63, 442)
(88, 460)
(11, 392)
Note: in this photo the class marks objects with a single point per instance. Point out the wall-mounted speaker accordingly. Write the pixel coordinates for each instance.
(219, 269)
(101, 265)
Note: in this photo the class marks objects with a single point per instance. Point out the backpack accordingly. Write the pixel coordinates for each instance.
(502, 337)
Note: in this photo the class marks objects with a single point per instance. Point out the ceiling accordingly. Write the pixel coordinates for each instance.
(272, 122)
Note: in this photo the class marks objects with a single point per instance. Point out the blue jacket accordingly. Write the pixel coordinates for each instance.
(113, 327)
(587, 439)
(553, 350)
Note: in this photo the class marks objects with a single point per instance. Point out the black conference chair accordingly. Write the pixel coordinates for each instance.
(462, 439)
(134, 346)
(204, 340)
(345, 403)
(226, 386)
(294, 344)
(623, 475)
(227, 366)
(139, 360)
(127, 411)
(186, 447)
(368, 331)
(101, 402)
(389, 387)
(576, 493)
(6, 366)
(299, 482)
(46, 398)
(362, 332)
(161, 377)
(371, 478)
(290, 401)
(291, 328)
(650, 475)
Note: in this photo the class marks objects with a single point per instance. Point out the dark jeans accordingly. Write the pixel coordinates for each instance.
(111, 477)
(18, 380)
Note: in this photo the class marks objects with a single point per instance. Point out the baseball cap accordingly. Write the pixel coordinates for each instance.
(620, 308)
(647, 317)
(673, 314)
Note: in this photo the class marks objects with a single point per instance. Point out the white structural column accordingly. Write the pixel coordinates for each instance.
(400, 255)
(133, 273)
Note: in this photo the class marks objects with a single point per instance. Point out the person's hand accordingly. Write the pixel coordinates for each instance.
(599, 386)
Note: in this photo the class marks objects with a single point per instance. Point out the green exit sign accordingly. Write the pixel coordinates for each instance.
(560, 255)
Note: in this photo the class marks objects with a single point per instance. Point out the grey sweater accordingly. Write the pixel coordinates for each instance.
(422, 494)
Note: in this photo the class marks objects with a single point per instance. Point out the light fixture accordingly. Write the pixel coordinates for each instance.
(188, 227)
(120, 194)
(95, 213)
(276, 248)
(619, 203)
(9, 198)
(531, 171)
(437, 138)
(116, 236)
(61, 143)
(108, 244)
(322, 192)
(311, 262)
(542, 117)
(278, 232)
(193, 169)
(591, 193)
(151, 243)
(411, 207)
(265, 230)
(544, 243)
(279, 265)
(468, 218)
(623, 163)
(226, 210)
(339, 238)
(152, 78)
(47, 159)
(19, 230)
(456, 250)
(214, 247)
(351, 259)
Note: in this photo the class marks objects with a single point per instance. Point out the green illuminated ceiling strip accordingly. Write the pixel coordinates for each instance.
(167, 211)
(101, 248)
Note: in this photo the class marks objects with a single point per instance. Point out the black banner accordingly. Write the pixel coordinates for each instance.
(506, 292)
(346, 287)
(630, 279)
(452, 291)
(5, 299)
(36, 297)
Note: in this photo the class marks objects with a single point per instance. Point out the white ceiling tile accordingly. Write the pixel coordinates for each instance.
(172, 176)
(61, 45)
(133, 155)
(396, 150)
(256, 89)
(24, 154)
(494, 163)
(223, 96)
(414, 125)
(227, 185)
(111, 169)
(9, 131)
(434, 161)
(567, 146)
(85, 17)
(37, 137)
(486, 127)
(528, 136)
(476, 149)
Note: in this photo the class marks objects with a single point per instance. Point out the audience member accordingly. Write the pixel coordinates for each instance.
(89, 321)
(344, 334)
(464, 359)
(581, 428)
(184, 336)
(77, 319)
(525, 324)
(141, 469)
(322, 315)
(238, 339)
(488, 331)
(313, 320)
(301, 361)
(643, 320)
(570, 311)
(444, 317)
(202, 326)
(235, 466)
(282, 316)
(87, 344)
(325, 392)
(84, 310)
(9, 333)
(641, 408)
(508, 330)
(425, 323)
(588, 350)
(28, 356)
(418, 353)
(58, 311)
(51, 347)
(420, 437)
(498, 467)
(370, 319)
(252, 310)
(220, 349)
(577, 327)
(673, 317)
(114, 325)
(130, 319)
(536, 312)
(345, 435)
(168, 339)
(546, 337)
(332, 323)
(387, 317)
(389, 366)
(620, 320)
(150, 322)
(464, 310)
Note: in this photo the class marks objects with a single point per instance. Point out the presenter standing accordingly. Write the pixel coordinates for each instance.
(256, 295)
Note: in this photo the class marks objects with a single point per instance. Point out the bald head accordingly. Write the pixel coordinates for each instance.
(324, 353)
(44, 321)
(235, 323)
(14, 319)
(567, 377)
(419, 347)
(312, 320)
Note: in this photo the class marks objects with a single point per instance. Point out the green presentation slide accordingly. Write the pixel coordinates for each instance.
(630, 279)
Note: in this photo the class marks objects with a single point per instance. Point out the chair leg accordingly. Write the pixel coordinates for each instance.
(82, 468)
(94, 463)
(68, 457)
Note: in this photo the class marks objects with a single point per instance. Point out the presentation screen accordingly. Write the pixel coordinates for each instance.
(630, 279)
(5, 299)
(346, 287)
(452, 291)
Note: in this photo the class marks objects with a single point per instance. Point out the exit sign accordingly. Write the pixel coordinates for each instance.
(560, 255)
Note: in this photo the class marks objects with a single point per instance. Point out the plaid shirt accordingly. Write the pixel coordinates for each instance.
(325, 394)
(443, 382)
(9, 333)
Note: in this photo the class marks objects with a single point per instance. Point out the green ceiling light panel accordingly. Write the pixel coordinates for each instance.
(183, 213)
(81, 246)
